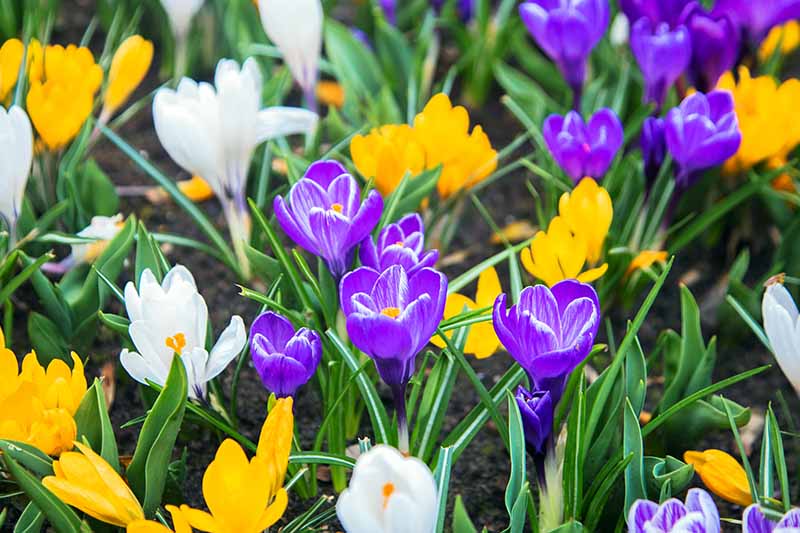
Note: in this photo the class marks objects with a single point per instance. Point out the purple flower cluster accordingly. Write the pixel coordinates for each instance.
(698, 514)
(583, 149)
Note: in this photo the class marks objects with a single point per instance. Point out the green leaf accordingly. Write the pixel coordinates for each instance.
(433, 407)
(516, 441)
(116, 323)
(46, 339)
(30, 521)
(669, 470)
(636, 377)
(60, 516)
(147, 473)
(321, 458)
(95, 426)
(441, 475)
(31, 457)
(355, 66)
(461, 520)
(15, 282)
(97, 193)
(634, 472)
(147, 254)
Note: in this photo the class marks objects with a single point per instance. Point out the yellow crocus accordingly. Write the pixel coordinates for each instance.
(10, 61)
(196, 189)
(37, 404)
(128, 68)
(787, 36)
(63, 82)
(588, 211)
(247, 496)
(87, 482)
(722, 474)
(443, 131)
(558, 254)
(646, 259)
(482, 341)
(764, 112)
(387, 154)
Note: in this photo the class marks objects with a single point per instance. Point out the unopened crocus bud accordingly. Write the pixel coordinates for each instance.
(285, 358)
(653, 147)
(536, 409)
(662, 54)
(389, 10)
(715, 45)
(128, 68)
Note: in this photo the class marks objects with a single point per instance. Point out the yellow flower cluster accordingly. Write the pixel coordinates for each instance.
(440, 136)
(37, 404)
(242, 496)
(770, 130)
(722, 474)
(786, 36)
(64, 81)
(574, 237)
(482, 341)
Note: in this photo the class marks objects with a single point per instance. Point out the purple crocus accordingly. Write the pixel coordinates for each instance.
(464, 8)
(325, 214)
(699, 515)
(536, 409)
(401, 243)
(567, 31)
(756, 17)
(390, 10)
(582, 149)
(715, 45)
(754, 521)
(657, 11)
(550, 331)
(662, 55)
(701, 133)
(653, 146)
(391, 316)
(284, 358)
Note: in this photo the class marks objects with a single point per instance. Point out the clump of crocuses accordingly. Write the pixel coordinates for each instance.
(285, 358)
(324, 214)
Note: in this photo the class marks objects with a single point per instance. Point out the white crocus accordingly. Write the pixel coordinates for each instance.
(170, 318)
(781, 324)
(102, 230)
(16, 156)
(388, 493)
(295, 26)
(620, 30)
(212, 132)
(180, 14)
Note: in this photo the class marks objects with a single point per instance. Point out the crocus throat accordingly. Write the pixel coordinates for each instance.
(388, 490)
(177, 343)
(391, 312)
(337, 207)
(586, 148)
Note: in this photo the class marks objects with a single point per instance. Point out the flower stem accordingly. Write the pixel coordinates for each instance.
(238, 220)
(399, 392)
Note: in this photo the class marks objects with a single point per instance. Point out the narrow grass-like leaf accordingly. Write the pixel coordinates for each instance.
(441, 475)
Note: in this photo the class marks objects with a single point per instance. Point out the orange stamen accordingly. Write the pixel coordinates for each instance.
(337, 207)
(177, 342)
(388, 490)
(391, 312)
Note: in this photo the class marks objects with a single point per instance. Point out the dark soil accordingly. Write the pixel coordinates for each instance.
(481, 473)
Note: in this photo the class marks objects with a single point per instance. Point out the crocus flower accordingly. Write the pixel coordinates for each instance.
(389, 8)
(703, 132)
(247, 496)
(588, 212)
(16, 152)
(754, 521)
(645, 259)
(768, 130)
(388, 493)
(715, 45)
(11, 53)
(295, 26)
(662, 55)
(787, 36)
(567, 31)
(129, 66)
(180, 14)
(102, 230)
(482, 341)
(657, 11)
(170, 318)
(780, 316)
(581, 149)
(536, 409)
(550, 331)
(757, 17)
(400, 243)
(285, 358)
(387, 154)
(324, 214)
(558, 254)
(722, 474)
(63, 83)
(467, 158)
(37, 404)
(653, 146)
(464, 8)
(212, 132)
(699, 514)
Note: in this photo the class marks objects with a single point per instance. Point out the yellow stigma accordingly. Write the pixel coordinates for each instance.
(337, 207)
(399, 243)
(391, 312)
(388, 490)
(177, 342)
